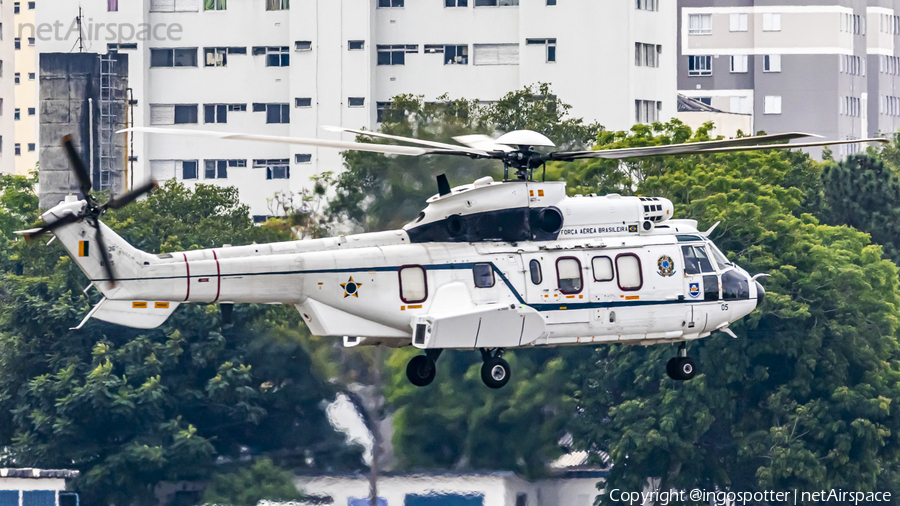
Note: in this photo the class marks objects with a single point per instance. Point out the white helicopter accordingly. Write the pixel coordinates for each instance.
(488, 266)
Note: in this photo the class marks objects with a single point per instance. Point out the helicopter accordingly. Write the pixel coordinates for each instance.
(488, 266)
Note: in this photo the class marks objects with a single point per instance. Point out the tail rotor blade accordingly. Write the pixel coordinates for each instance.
(124, 200)
(81, 172)
(107, 265)
(65, 220)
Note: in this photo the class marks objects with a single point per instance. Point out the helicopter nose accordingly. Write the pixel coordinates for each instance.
(760, 294)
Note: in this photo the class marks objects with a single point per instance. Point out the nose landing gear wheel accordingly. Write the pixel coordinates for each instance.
(495, 372)
(421, 371)
(681, 368)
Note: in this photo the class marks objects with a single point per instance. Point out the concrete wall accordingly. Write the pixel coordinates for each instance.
(69, 84)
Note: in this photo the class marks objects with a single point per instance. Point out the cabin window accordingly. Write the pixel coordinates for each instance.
(603, 269)
(696, 260)
(484, 275)
(735, 286)
(628, 267)
(413, 286)
(568, 273)
(537, 277)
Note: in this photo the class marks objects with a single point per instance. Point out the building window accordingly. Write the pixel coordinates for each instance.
(215, 56)
(189, 170)
(218, 169)
(456, 55)
(772, 104)
(568, 275)
(456, 3)
(850, 106)
(18, 149)
(646, 55)
(395, 54)
(275, 56)
(18, 77)
(31, 6)
(646, 111)
(31, 76)
(551, 2)
(31, 41)
(31, 147)
(413, 284)
(356, 45)
(18, 43)
(495, 3)
(173, 114)
(32, 111)
(275, 169)
(215, 113)
(174, 5)
(303, 102)
(237, 107)
(699, 66)
(275, 113)
(699, 24)
(303, 158)
(112, 5)
(495, 54)
(214, 5)
(740, 105)
(641, 5)
(603, 269)
(390, 3)
(739, 64)
(303, 45)
(278, 5)
(16, 7)
(380, 109)
(176, 57)
(737, 22)
(771, 22)
(549, 44)
(18, 114)
(772, 63)
(628, 270)
(356, 102)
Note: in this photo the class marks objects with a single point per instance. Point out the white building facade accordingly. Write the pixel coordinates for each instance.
(276, 67)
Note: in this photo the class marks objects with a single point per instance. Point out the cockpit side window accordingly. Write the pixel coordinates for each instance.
(735, 286)
(568, 272)
(720, 259)
(484, 275)
(703, 259)
(691, 264)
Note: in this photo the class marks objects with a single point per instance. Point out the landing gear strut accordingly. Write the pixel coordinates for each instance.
(421, 370)
(495, 371)
(682, 367)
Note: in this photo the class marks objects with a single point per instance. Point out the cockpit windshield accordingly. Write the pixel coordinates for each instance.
(720, 259)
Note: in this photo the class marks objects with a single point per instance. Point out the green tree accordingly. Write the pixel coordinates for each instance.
(246, 487)
(132, 408)
(803, 399)
(863, 193)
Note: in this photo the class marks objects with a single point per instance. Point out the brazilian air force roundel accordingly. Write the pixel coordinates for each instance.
(351, 288)
(666, 266)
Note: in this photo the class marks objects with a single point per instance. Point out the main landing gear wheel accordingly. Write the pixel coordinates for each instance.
(421, 371)
(681, 368)
(495, 371)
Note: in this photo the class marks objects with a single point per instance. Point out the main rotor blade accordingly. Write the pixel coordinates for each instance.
(483, 142)
(431, 144)
(793, 146)
(81, 172)
(124, 200)
(674, 149)
(343, 145)
(65, 220)
(107, 265)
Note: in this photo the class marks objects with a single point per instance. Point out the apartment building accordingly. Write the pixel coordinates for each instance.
(827, 68)
(7, 89)
(277, 67)
(24, 112)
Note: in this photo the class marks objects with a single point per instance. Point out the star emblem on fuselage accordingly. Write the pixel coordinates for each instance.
(351, 288)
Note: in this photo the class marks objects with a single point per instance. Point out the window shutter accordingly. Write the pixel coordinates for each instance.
(162, 170)
(162, 114)
(187, 5)
(162, 5)
(508, 54)
(486, 54)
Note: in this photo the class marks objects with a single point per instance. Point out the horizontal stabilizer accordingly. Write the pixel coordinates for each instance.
(137, 314)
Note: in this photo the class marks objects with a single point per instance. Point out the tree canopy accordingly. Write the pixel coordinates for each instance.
(132, 408)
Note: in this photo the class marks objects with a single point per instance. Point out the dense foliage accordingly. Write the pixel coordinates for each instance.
(130, 408)
(248, 486)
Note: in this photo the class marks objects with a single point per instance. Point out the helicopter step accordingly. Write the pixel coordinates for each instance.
(681, 367)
